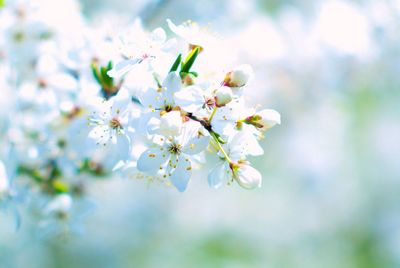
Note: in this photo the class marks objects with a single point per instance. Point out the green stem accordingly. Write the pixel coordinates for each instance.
(212, 114)
(206, 124)
(220, 147)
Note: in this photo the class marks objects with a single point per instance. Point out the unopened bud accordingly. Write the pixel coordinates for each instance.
(223, 96)
(247, 176)
(264, 119)
(239, 76)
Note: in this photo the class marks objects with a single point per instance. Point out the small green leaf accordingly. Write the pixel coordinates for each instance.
(175, 66)
(218, 137)
(109, 65)
(95, 71)
(190, 59)
(106, 79)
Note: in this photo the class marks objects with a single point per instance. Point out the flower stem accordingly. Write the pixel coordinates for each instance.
(206, 124)
(221, 149)
(212, 114)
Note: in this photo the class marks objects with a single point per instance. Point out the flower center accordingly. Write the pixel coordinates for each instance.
(168, 108)
(175, 148)
(115, 124)
(209, 103)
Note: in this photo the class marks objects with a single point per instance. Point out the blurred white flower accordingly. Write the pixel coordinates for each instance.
(350, 34)
(138, 47)
(4, 184)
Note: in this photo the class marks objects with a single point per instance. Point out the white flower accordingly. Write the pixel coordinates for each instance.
(164, 117)
(111, 121)
(192, 33)
(225, 119)
(171, 156)
(162, 98)
(49, 85)
(193, 99)
(138, 47)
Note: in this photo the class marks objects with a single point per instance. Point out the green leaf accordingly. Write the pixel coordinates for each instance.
(34, 174)
(95, 71)
(190, 59)
(101, 75)
(195, 74)
(175, 66)
(2, 3)
(109, 65)
(108, 81)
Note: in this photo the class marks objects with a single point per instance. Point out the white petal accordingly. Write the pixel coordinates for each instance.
(242, 144)
(219, 174)
(269, 118)
(172, 83)
(171, 123)
(152, 99)
(120, 102)
(101, 134)
(122, 67)
(180, 175)
(190, 98)
(123, 147)
(153, 126)
(151, 160)
(158, 35)
(173, 27)
(194, 138)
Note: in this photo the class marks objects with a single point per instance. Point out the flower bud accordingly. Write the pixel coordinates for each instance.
(264, 119)
(239, 76)
(171, 123)
(247, 176)
(223, 96)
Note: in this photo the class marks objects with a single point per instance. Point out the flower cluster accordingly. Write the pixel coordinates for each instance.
(87, 105)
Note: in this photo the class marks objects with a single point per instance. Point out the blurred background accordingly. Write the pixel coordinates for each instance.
(331, 188)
